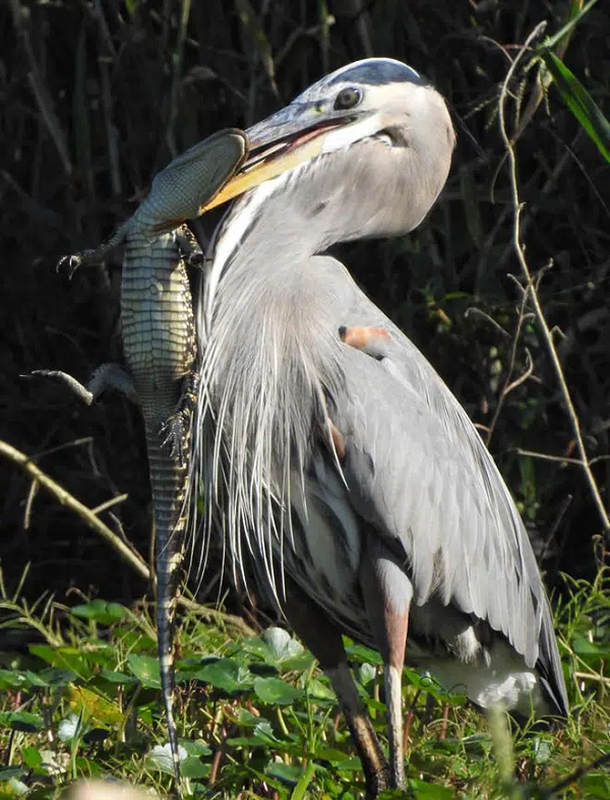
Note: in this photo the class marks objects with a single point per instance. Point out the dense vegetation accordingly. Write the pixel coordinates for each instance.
(96, 98)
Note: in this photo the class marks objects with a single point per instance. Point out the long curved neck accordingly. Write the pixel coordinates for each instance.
(370, 189)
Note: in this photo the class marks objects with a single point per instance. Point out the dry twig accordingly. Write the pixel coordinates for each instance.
(583, 461)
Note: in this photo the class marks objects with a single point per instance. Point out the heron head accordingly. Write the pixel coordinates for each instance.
(377, 102)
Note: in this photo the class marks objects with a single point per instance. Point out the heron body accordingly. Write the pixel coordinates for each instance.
(340, 468)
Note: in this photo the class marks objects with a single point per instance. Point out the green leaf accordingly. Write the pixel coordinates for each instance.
(263, 735)
(101, 611)
(318, 690)
(275, 691)
(580, 102)
(361, 653)
(282, 644)
(330, 754)
(146, 670)
(196, 748)
(430, 791)
(51, 677)
(10, 679)
(70, 728)
(284, 772)
(70, 658)
(8, 773)
(117, 677)
(21, 720)
(161, 758)
(192, 767)
(225, 674)
(31, 757)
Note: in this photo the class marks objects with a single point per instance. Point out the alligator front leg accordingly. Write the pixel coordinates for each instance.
(106, 376)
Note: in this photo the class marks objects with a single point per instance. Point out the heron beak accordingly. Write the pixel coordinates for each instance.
(274, 149)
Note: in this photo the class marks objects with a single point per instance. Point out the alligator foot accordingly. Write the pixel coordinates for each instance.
(176, 430)
(175, 434)
(75, 386)
(190, 250)
(371, 340)
(107, 376)
(70, 264)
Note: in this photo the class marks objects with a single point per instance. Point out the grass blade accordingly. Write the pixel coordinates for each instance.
(580, 102)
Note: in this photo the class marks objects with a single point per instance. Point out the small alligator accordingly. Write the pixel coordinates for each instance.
(160, 349)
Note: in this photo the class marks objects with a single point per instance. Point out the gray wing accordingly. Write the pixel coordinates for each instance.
(418, 471)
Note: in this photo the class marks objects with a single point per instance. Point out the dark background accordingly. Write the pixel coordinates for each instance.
(96, 97)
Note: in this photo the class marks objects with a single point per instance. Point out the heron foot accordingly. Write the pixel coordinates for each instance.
(370, 339)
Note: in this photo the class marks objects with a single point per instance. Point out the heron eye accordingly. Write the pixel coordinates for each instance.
(348, 98)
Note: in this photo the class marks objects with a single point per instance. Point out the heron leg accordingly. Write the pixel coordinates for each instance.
(387, 596)
(324, 640)
(371, 340)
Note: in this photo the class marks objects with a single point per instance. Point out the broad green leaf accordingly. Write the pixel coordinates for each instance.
(275, 691)
(330, 754)
(318, 690)
(21, 720)
(196, 748)
(430, 791)
(193, 768)
(161, 757)
(69, 728)
(101, 611)
(352, 764)
(94, 706)
(282, 644)
(8, 773)
(51, 677)
(31, 757)
(262, 735)
(287, 773)
(225, 674)
(17, 787)
(146, 670)
(361, 653)
(117, 677)
(70, 658)
(580, 102)
(10, 679)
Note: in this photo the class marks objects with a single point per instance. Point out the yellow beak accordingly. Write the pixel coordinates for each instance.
(279, 157)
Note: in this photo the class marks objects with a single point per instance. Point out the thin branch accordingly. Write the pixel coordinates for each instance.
(68, 500)
(21, 21)
(577, 462)
(518, 248)
(129, 555)
(579, 773)
(109, 503)
(510, 384)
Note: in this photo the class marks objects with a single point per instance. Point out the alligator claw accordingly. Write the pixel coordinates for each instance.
(70, 264)
(174, 433)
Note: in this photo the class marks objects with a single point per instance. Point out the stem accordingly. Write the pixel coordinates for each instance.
(518, 248)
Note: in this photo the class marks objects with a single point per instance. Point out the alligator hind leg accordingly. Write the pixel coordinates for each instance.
(107, 376)
(175, 431)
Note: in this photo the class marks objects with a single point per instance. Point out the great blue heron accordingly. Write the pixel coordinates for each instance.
(339, 466)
